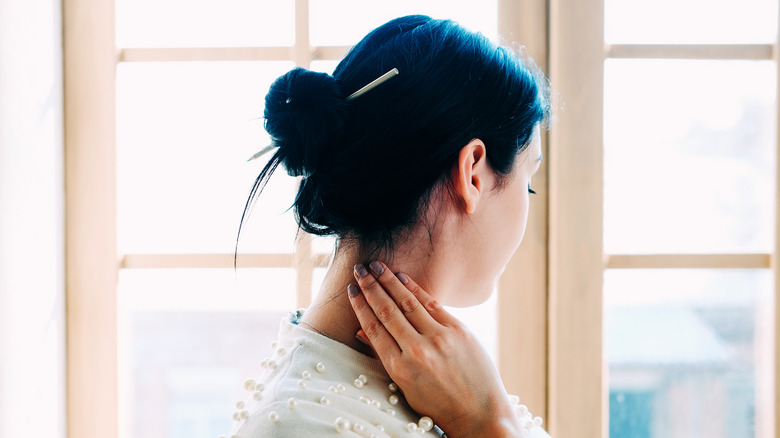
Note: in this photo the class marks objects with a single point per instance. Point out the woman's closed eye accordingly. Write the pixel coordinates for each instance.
(530, 190)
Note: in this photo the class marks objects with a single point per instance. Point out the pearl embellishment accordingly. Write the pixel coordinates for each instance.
(342, 424)
(425, 424)
(337, 393)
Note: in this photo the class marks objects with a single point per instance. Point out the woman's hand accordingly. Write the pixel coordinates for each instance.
(441, 368)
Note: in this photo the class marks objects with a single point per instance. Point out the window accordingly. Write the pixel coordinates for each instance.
(689, 169)
(664, 296)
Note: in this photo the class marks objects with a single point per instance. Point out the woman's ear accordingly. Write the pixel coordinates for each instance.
(471, 174)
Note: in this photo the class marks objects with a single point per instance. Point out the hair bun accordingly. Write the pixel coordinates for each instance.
(305, 113)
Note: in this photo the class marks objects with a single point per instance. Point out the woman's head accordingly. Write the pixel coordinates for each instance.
(401, 140)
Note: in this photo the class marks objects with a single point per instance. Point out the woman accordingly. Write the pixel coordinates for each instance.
(428, 167)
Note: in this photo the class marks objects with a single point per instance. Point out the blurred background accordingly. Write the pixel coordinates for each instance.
(125, 127)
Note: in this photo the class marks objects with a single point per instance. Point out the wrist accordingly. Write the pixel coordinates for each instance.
(505, 427)
(502, 424)
(502, 428)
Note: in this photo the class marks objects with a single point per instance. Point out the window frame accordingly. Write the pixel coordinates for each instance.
(89, 74)
(577, 395)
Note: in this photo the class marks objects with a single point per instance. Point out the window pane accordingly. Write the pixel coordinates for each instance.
(690, 21)
(183, 345)
(689, 156)
(324, 66)
(323, 245)
(689, 352)
(318, 276)
(185, 131)
(481, 320)
(334, 23)
(210, 23)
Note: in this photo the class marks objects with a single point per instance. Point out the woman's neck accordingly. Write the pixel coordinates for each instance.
(331, 313)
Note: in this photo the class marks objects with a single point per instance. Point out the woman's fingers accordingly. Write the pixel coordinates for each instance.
(385, 309)
(361, 336)
(433, 308)
(439, 365)
(409, 304)
(377, 335)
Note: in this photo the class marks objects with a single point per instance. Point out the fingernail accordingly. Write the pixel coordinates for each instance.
(361, 340)
(404, 279)
(353, 291)
(376, 268)
(360, 270)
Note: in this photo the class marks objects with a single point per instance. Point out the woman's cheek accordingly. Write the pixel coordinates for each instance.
(521, 215)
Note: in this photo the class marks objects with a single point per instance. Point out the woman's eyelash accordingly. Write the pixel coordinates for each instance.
(530, 190)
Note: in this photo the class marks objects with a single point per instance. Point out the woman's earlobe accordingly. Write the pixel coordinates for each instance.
(469, 176)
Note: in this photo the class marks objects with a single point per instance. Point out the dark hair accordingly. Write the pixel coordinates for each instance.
(370, 163)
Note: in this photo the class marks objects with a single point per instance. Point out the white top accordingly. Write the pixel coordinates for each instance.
(313, 386)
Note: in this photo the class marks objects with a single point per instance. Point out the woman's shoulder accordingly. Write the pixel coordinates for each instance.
(312, 386)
